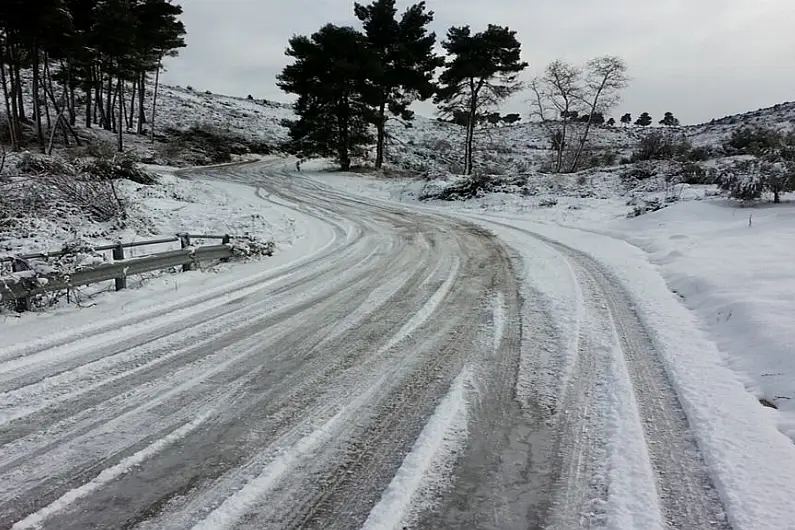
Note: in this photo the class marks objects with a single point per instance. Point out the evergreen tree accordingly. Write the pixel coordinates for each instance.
(480, 72)
(597, 118)
(669, 120)
(102, 47)
(644, 120)
(510, 119)
(404, 61)
(330, 76)
(626, 119)
(611, 122)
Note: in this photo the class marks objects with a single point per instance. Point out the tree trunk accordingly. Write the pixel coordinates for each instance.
(11, 117)
(470, 137)
(121, 114)
(343, 144)
(562, 145)
(36, 102)
(381, 127)
(20, 100)
(154, 98)
(89, 119)
(776, 197)
(47, 86)
(109, 120)
(131, 120)
(71, 87)
(581, 146)
(141, 96)
(99, 107)
(87, 89)
(63, 122)
(584, 138)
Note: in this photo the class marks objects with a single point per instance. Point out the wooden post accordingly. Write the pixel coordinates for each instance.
(21, 304)
(118, 255)
(226, 240)
(184, 241)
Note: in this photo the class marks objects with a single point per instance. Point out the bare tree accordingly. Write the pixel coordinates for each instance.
(558, 96)
(606, 77)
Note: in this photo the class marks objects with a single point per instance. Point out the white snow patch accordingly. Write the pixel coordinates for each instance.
(36, 520)
(236, 506)
(425, 311)
(428, 464)
(498, 314)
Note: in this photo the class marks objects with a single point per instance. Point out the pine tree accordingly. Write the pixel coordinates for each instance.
(330, 76)
(669, 120)
(405, 61)
(480, 72)
(102, 47)
(626, 119)
(644, 120)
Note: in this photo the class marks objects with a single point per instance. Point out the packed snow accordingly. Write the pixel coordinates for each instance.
(713, 283)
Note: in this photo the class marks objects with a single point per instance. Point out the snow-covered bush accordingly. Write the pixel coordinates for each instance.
(250, 247)
(750, 179)
(661, 146)
(756, 141)
(461, 189)
(120, 166)
(96, 198)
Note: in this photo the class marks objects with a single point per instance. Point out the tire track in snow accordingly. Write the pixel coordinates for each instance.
(427, 464)
(663, 458)
(35, 520)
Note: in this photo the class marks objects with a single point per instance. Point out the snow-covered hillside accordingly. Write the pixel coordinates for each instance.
(780, 117)
(182, 108)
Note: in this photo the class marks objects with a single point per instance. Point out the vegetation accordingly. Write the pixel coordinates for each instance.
(669, 120)
(570, 100)
(94, 56)
(403, 61)
(759, 141)
(479, 74)
(750, 179)
(659, 145)
(347, 80)
(644, 120)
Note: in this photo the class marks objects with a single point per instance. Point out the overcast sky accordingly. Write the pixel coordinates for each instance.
(700, 59)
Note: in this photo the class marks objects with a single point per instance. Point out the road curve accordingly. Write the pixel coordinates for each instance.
(370, 386)
(292, 405)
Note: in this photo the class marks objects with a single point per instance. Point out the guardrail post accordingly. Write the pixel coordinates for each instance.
(226, 240)
(118, 255)
(21, 304)
(184, 241)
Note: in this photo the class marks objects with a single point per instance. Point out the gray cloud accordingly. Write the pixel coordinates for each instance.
(700, 59)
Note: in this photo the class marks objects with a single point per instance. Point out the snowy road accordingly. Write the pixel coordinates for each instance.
(399, 375)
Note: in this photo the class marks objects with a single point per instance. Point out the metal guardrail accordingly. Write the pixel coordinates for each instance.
(23, 284)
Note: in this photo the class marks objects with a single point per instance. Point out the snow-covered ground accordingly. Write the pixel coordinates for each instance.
(732, 265)
(180, 203)
(713, 283)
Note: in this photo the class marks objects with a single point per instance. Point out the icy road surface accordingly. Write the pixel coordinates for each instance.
(398, 376)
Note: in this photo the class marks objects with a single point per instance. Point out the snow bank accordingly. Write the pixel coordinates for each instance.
(734, 268)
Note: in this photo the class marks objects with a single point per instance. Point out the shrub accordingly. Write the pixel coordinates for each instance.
(661, 146)
(97, 198)
(639, 172)
(693, 173)
(645, 206)
(755, 141)
(30, 164)
(466, 188)
(120, 166)
(750, 179)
